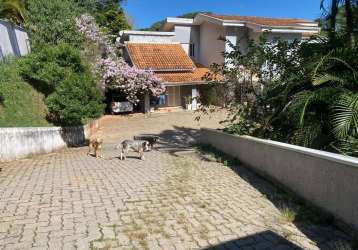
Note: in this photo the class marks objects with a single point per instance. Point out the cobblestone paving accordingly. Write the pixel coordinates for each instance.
(175, 199)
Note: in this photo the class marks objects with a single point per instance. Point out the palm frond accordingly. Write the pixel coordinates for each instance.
(307, 135)
(344, 117)
(322, 65)
(348, 146)
(310, 100)
(298, 105)
(14, 10)
(304, 109)
(337, 59)
(325, 78)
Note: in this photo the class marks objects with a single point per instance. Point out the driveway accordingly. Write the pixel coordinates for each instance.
(178, 198)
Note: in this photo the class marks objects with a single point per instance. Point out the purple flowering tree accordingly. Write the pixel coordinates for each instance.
(133, 82)
(114, 72)
(87, 26)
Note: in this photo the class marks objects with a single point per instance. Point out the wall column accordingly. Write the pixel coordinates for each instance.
(146, 103)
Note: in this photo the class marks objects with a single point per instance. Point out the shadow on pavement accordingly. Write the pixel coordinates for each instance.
(177, 140)
(262, 240)
(314, 224)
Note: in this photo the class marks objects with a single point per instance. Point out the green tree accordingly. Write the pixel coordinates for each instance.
(13, 10)
(109, 14)
(52, 22)
(349, 22)
(341, 18)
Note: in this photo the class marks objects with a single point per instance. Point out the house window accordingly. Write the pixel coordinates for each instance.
(192, 50)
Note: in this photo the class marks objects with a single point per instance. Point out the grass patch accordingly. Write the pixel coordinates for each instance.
(212, 154)
(20, 104)
(288, 215)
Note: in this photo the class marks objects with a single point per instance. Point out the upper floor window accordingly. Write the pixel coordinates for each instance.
(192, 50)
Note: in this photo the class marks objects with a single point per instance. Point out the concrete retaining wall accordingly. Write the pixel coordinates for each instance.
(16, 143)
(13, 40)
(327, 180)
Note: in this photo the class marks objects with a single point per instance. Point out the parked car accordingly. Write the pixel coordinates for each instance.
(121, 107)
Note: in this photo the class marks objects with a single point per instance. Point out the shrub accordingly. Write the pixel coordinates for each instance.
(46, 68)
(61, 75)
(77, 98)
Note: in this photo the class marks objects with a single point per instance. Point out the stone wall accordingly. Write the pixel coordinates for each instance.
(327, 180)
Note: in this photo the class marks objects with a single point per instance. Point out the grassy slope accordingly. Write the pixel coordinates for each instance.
(20, 104)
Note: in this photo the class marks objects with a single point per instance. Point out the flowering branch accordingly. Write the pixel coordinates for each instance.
(134, 82)
(86, 25)
(114, 72)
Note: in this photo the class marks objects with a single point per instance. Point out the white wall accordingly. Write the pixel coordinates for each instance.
(140, 38)
(186, 35)
(17, 143)
(23, 41)
(236, 36)
(13, 40)
(211, 48)
(182, 33)
(326, 180)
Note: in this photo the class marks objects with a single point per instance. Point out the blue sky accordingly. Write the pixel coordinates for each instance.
(145, 12)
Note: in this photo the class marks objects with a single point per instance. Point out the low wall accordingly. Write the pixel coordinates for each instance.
(327, 180)
(16, 143)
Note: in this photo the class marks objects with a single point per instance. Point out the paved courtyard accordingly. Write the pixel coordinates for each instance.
(177, 198)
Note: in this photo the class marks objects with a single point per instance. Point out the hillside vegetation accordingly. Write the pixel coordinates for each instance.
(55, 84)
(20, 104)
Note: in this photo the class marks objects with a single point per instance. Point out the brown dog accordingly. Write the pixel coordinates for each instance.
(95, 144)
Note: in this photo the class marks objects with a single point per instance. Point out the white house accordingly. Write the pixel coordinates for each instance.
(13, 40)
(202, 41)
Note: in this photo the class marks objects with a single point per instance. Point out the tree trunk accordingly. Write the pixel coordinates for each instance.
(333, 21)
(349, 22)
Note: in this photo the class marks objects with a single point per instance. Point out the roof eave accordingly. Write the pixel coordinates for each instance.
(170, 22)
(289, 29)
(170, 70)
(306, 27)
(184, 83)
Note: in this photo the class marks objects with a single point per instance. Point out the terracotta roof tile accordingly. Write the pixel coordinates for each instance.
(196, 75)
(263, 20)
(159, 57)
